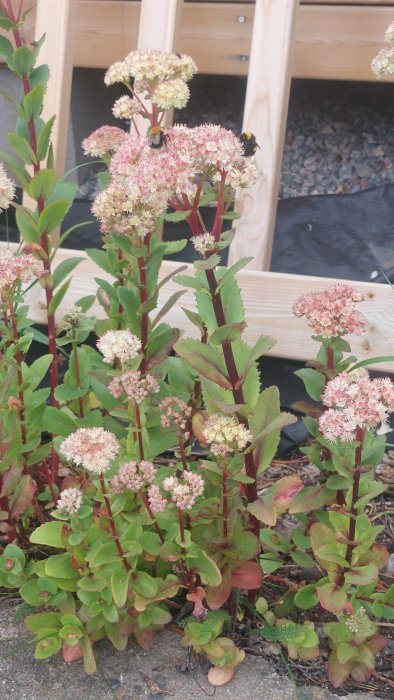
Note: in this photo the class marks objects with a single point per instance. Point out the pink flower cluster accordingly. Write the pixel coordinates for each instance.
(70, 501)
(105, 140)
(355, 401)
(133, 477)
(15, 269)
(184, 494)
(156, 500)
(176, 415)
(135, 387)
(332, 313)
(92, 448)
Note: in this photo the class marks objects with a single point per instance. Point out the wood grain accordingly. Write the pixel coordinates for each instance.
(265, 114)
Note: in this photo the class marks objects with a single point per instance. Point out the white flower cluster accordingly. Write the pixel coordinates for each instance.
(119, 345)
(70, 501)
(204, 243)
(225, 435)
(91, 448)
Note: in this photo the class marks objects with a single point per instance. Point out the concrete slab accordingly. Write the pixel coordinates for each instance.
(133, 674)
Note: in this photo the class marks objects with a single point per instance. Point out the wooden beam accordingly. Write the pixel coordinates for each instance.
(268, 298)
(57, 21)
(265, 114)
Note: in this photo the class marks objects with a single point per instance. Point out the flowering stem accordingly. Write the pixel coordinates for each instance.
(356, 484)
(151, 515)
(114, 531)
(144, 313)
(77, 377)
(121, 283)
(183, 452)
(225, 502)
(18, 358)
(139, 430)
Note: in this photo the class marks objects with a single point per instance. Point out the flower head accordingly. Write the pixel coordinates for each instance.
(135, 387)
(133, 477)
(184, 494)
(106, 139)
(204, 243)
(119, 345)
(383, 63)
(71, 319)
(359, 623)
(15, 269)
(225, 435)
(92, 448)
(117, 73)
(176, 415)
(332, 313)
(156, 500)
(7, 189)
(125, 107)
(355, 401)
(70, 501)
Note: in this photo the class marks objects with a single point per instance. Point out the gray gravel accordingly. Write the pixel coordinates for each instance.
(133, 674)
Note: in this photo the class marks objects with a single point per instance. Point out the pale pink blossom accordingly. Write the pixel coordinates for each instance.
(7, 189)
(125, 107)
(156, 500)
(16, 269)
(383, 63)
(225, 435)
(204, 243)
(91, 448)
(172, 93)
(355, 401)
(176, 415)
(150, 67)
(128, 478)
(184, 494)
(332, 313)
(119, 345)
(106, 139)
(70, 501)
(118, 72)
(134, 386)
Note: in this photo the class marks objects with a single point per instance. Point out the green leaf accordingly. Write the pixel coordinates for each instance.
(274, 540)
(33, 102)
(230, 331)
(37, 371)
(176, 216)
(332, 597)
(372, 361)
(119, 584)
(168, 305)
(44, 138)
(269, 562)
(58, 297)
(232, 271)
(306, 598)
(160, 345)
(49, 534)
(311, 498)
(27, 225)
(175, 246)
(205, 360)
(206, 567)
(265, 410)
(58, 422)
(6, 49)
(59, 566)
(264, 512)
(23, 61)
(189, 281)
(22, 147)
(145, 585)
(39, 76)
(195, 318)
(16, 168)
(104, 554)
(313, 381)
(42, 184)
(64, 269)
(52, 216)
(208, 264)
(100, 257)
(65, 392)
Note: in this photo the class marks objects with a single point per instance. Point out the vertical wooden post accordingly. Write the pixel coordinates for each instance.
(265, 115)
(57, 21)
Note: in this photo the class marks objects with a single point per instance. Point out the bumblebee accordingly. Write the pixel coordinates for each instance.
(249, 143)
(156, 136)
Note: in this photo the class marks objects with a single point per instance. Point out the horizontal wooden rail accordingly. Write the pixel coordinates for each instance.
(332, 40)
(268, 298)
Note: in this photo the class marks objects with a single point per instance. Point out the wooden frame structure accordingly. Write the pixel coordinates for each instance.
(268, 296)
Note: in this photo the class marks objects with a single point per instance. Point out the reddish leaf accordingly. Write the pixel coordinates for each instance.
(377, 643)
(200, 611)
(337, 671)
(198, 423)
(311, 498)
(216, 596)
(23, 495)
(220, 675)
(144, 638)
(284, 491)
(9, 479)
(361, 673)
(263, 511)
(377, 555)
(332, 597)
(72, 653)
(248, 576)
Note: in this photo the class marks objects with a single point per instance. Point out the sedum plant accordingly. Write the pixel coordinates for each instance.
(101, 471)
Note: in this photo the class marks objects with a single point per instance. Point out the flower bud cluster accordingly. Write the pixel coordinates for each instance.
(176, 415)
(91, 448)
(70, 501)
(225, 435)
(119, 345)
(184, 494)
(71, 320)
(7, 189)
(359, 623)
(355, 401)
(105, 140)
(135, 387)
(133, 477)
(156, 500)
(204, 243)
(332, 313)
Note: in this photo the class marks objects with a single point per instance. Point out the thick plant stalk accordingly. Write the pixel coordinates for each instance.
(114, 530)
(77, 377)
(355, 496)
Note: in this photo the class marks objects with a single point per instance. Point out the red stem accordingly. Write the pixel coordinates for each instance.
(114, 531)
(225, 502)
(78, 378)
(144, 315)
(18, 358)
(152, 517)
(139, 430)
